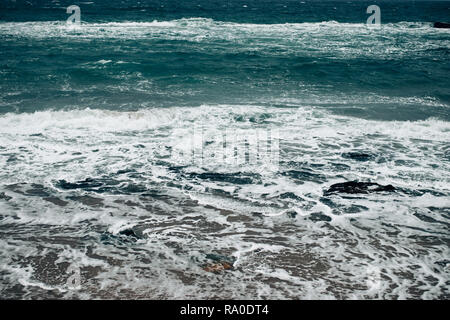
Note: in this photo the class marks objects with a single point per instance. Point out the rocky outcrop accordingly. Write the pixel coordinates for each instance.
(442, 25)
(354, 187)
(358, 156)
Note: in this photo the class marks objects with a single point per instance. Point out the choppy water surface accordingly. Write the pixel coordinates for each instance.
(96, 174)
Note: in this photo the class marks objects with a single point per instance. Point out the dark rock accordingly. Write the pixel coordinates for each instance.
(12, 159)
(317, 216)
(133, 188)
(235, 178)
(4, 196)
(123, 237)
(87, 183)
(291, 214)
(443, 263)
(218, 263)
(129, 233)
(38, 190)
(219, 257)
(358, 187)
(125, 171)
(217, 267)
(358, 156)
(441, 25)
(289, 195)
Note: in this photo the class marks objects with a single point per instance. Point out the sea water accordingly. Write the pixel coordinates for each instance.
(153, 138)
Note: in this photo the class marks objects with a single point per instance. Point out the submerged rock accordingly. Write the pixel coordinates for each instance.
(235, 178)
(122, 237)
(217, 267)
(218, 263)
(358, 156)
(291, 214)
(4, 196)
(87, 183)
(129, 233)
(317, 216)
(56, 201)
(442, 25)
(359, 187)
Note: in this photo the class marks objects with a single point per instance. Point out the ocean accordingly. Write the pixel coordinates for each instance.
(235, 149)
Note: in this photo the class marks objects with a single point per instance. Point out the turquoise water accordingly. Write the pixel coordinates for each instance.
(97, 120)
(165, 54)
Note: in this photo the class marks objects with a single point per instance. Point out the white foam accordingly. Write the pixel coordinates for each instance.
(302, 37)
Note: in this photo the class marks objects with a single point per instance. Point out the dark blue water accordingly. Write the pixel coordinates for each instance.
(114, 159)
